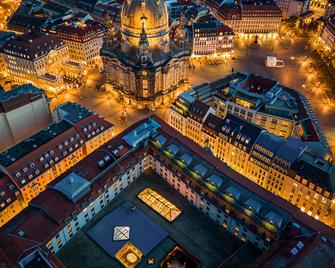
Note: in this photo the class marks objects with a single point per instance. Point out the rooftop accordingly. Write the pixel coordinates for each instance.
(135, 226)
(32, 45)
(73, 186)
(22, 89)
(72, 112)
(25, 147)
(258, 84)
(25, 23)
(5, 36)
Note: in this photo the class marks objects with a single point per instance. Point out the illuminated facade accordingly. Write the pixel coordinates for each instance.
(248, 19)
(327, 38)
(279, 109)
(141, 62)
(294, 8)
(245, 210)
(211, 39)
(84, 39)
(281, 166)
(37, 58)
(35, 162)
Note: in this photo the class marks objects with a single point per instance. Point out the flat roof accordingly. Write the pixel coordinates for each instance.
(73, 112)
(144, 233)
(73, 186)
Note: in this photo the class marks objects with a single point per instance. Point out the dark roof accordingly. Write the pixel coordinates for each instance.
(198, 110)
(5, 36)
(32, 45)
(212, 27)
(30, 144)
(241, 130)
(25, 23)
(317, 171)
(22, 89)
(145, 234)
(258, 84)
(72, 112)
(213, 122)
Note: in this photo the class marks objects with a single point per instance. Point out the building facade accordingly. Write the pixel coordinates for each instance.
(39, 59)
(282, 166)
(82, 37)
(24, 110)
(151, 145)
(248, 19)
(35, 162)
(279, 109)
(141, 63)
(4, 37)
(327, 37)
(293, 8)
(212, 39)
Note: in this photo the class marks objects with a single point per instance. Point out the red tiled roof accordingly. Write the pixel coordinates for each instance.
(55, 204)
(77, 33)
(35, 224)
(12, 247)
(258, 84)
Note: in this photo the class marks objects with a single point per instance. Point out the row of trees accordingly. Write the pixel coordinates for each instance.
(326, 65)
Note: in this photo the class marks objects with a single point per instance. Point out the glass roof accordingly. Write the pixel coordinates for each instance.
(121, 233)
(159, 204)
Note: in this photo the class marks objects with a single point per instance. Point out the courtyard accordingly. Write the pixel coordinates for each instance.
(193, 230)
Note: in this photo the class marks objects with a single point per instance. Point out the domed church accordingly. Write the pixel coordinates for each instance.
(140, 61)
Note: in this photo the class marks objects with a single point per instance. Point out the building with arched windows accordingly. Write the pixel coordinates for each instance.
(144, 66)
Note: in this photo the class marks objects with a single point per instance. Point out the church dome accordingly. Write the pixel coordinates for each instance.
(154, 15)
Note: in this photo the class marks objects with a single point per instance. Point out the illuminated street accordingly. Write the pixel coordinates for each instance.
(126, 125)
(247, 59)
(7, 7)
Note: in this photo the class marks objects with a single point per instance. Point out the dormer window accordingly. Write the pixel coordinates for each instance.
(60, 147)
(94, 124)
(77, 135)
(52, 152)
(25, 169)
(32, 164)
(66, 143)
(71, 139)
(18, 174)
(41, 158)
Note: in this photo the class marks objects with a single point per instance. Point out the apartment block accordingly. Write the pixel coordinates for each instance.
(241, 207)
(38, 160)
(249, 18)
